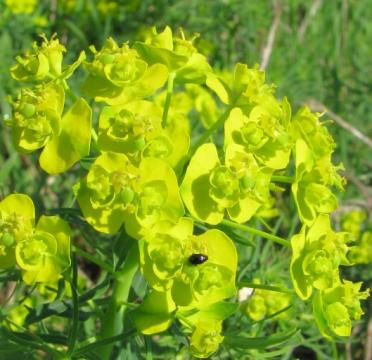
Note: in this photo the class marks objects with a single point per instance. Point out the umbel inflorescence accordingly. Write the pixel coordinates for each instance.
(156, 179)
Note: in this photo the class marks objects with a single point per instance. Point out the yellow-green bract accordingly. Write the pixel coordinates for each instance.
(335, 307)
(317, 253)
(116, 192)
(241, 186)
(42, 252)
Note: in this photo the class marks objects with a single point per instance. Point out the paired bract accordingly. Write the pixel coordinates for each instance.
(42, 252)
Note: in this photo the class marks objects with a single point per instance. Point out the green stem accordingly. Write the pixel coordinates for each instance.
(168, 99)
(283, 179)
(94, 135)
(94, 142)
(237, 238)
(68, 91)
(103, 342)
(265, 287)
(113, 322)
(185, 320)
(274, 314)
(334, 350)
(34, 342)
(75, 308)
(220, 121)
(254, 231)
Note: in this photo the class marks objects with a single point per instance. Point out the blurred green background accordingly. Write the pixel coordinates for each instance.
(316, 52)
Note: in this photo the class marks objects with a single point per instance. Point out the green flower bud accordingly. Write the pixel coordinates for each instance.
(106, 59)
(248, 182)
(7, 239)
(140, 143)
(127, 195)
(28, 110)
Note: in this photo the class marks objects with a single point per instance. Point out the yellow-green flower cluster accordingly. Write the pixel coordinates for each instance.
(335, 307)
(148, 178)
(21, 6)
(42, 252)
(354, 222)
(257, 142)
(263, 303)
(318, 251)
(38, 121)
(315, 172)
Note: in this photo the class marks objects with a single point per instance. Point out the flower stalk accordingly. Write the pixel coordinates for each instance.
(113, 322)
(168, 98)
(254, 231)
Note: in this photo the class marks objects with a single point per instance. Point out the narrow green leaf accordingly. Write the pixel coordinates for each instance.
(260, 343)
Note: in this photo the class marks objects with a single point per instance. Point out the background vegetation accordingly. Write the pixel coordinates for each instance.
(316, 52)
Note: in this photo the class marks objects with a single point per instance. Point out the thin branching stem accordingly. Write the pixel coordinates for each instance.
(265, 287)
(104, 342)
(168, 98)
(283, 179)
(75, 308)
(254, 231)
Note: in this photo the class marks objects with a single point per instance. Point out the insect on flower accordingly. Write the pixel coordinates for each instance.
(197, 259)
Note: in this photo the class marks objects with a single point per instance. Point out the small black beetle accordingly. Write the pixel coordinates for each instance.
(197, 259)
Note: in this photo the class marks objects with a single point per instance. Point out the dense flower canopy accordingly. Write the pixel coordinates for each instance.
(150, 178)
